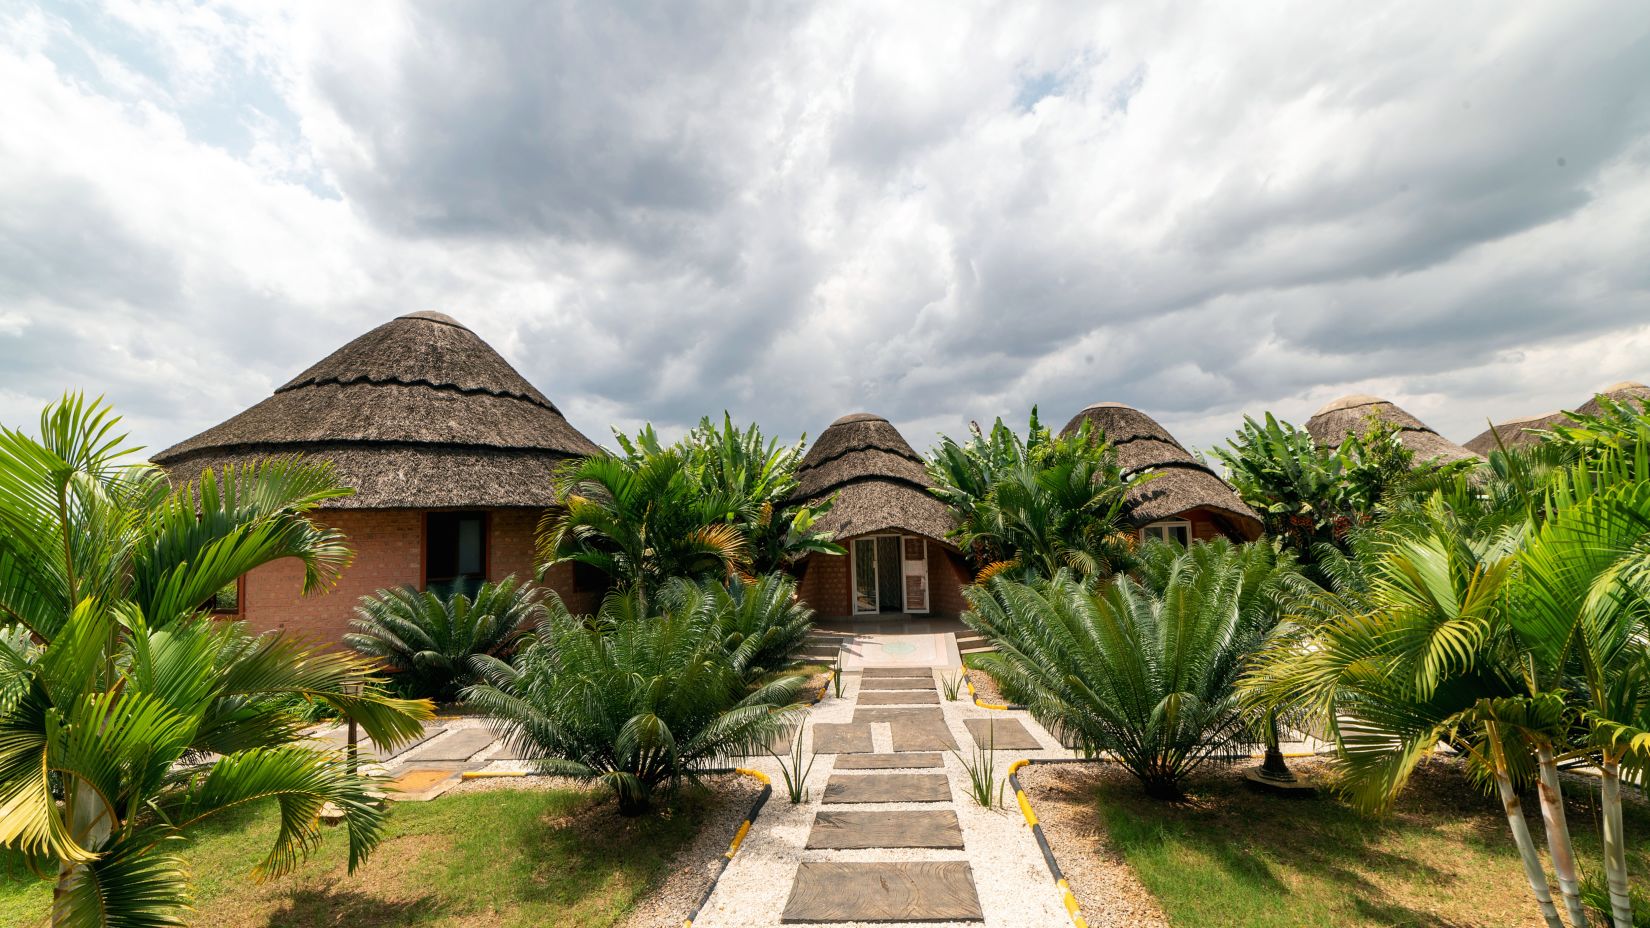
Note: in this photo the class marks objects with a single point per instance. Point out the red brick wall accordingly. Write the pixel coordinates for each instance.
(947, 575)
(827, 585)
(388, 546)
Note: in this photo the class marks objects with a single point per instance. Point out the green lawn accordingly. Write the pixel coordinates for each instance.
(502, 857)
(1443, 857)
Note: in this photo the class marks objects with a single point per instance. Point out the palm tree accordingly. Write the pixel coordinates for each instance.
(637, 697)
(127, 717)
(1144, 669)
(1039, 506)
(756, 475)
(426, 639)
(641, 521)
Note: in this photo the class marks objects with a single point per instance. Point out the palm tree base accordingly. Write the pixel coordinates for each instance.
(1290, 786)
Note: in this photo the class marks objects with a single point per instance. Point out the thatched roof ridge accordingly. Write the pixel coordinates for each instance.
(1526, 430)
(1350, 414)
(881, 484)
(417, 412)
(1182, 482)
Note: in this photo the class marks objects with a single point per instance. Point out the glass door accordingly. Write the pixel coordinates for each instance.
(890, 574)
(865, 575)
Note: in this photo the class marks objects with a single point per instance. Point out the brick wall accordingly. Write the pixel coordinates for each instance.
(827, 585)
(388, 546)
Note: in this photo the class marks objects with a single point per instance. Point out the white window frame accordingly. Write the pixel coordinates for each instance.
(1162, 530)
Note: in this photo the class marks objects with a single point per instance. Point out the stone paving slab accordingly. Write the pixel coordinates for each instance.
(842, 738)
(885, 714)
(460, 745)
(896, 673)
(897, 683)
(888, 787)
(336, 739)
(922, 736)
(850, 830)
(899, 698)
(1001, 734)
(910, 759)
(827, 892)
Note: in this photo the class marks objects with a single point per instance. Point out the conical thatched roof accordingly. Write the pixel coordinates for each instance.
(1525, 431)
(1350, 414)
(417, 413)
(1182, 482)
(880, 483)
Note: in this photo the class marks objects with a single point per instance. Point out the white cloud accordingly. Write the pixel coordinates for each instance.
(936, 212)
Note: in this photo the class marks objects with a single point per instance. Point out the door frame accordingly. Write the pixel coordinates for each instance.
(853, 574)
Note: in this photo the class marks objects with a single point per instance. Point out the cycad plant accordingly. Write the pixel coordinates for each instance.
(426, 639)
(128, 717)
(1144, 673)
(638, 696)
(761, 621)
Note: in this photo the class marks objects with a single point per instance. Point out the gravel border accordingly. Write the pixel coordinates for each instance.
(698, 864)
(1107, 890)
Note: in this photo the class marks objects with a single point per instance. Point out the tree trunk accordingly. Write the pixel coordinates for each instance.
(1558, 835)
(1521, 832)
(1273, 767)
(1615, 844)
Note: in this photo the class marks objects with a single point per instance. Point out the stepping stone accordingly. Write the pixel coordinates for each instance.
(883, 714)
(897, 683)
(922, 736)
(887, 787)
(460, 745)
(849, 830)
(883, 892)
(914, 760)
(417, 781)
(336, 738)
(900, 698)
(896, 673)
(842, 738)
(1003, 734)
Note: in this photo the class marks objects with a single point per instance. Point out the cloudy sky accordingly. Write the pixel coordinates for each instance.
(935, 211)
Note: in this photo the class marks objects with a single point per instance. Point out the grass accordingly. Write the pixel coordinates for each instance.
(1230, 856)
(500, 857)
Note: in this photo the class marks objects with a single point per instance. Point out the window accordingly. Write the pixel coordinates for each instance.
(226, 601)
(1178, 531)
(455, 552)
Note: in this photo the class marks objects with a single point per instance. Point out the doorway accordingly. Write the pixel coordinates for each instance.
(890, 574)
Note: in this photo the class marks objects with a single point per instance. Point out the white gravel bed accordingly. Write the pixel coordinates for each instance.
(1015, 888)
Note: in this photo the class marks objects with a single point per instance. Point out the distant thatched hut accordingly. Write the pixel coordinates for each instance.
(1350, 415)
(449, 449)
(1185, 500)
(1526, 431)
(893, 528)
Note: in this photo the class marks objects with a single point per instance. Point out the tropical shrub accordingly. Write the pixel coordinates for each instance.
(1312, 496)
(761, 621)
(638, 696)
(1034, 507)
(426, 639)
(123, 686)
(759, 475)
(715, 504)
(1145, 671)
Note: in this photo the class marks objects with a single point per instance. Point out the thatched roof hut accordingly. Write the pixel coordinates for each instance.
(880, 483)
(1182, 484)
(1525, 431)
(1351, 414)
(417, 413)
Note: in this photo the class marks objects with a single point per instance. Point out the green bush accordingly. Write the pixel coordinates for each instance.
(1141, 669)
(637, 696)
(761, 622)
(426, 639)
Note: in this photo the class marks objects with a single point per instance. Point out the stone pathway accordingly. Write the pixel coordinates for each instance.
(889, 834)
